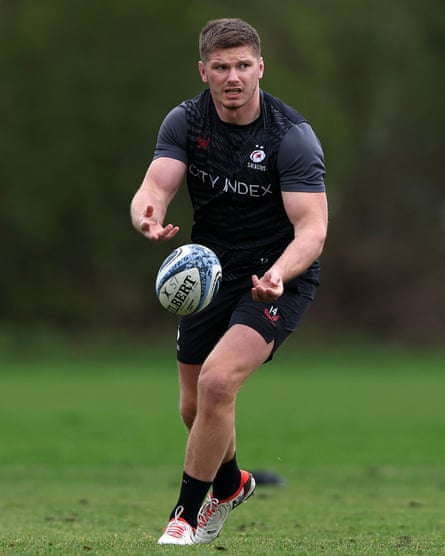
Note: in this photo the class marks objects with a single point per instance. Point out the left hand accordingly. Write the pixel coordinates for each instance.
(267, 288)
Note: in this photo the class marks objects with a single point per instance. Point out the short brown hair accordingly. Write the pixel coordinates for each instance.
(227, 33)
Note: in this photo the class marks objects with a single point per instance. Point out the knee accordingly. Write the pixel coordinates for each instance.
(215, 389)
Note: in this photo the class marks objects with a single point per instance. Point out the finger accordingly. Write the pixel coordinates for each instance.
(173, 232)
(148, 227)
(148, 212)
(168, 232)
(266, 294)
(261, 295)
(258, 291)
(159, 233)
(144, 226)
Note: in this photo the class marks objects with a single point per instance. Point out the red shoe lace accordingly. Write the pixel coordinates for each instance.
(207, 511)
(176, 526)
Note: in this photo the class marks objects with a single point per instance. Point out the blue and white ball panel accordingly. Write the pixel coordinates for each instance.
(188, 279)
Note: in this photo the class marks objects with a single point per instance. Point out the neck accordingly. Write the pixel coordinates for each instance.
(242, 115)
(238, 116)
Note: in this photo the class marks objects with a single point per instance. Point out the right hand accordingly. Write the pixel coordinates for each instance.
(151, 228)
(267, 288)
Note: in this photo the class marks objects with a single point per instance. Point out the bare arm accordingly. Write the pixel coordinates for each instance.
(308, 213)
(150, 203)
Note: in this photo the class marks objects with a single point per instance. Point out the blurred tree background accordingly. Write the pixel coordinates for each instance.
(85, 85)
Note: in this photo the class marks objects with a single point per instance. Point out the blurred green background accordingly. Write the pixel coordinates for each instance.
(84, 87)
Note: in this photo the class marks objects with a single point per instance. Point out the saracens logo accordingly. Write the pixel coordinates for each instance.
(271, 314)
(258, 155)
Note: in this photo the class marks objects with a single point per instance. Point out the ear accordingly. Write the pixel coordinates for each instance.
(261, 68)
(202, 71)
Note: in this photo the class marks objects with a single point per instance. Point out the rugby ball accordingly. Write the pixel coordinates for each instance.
(188, 279)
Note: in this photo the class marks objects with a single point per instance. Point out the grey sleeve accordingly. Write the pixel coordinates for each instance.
(172, 136)
(300, 161)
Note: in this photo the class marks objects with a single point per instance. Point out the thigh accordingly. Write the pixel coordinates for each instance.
(277, 320)
(239, 352)
(199, 333)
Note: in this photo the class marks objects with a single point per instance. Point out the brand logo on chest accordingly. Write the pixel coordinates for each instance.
(203, 143)
(257, 156)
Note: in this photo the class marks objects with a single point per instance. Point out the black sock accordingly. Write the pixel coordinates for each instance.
(227, 480)
(191, 495)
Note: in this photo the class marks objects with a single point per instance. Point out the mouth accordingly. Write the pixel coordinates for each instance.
(232, 91)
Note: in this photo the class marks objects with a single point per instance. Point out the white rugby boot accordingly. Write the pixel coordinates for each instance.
(178, 530)
(214, 512)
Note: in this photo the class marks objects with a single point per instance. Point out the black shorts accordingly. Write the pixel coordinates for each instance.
(233, 304)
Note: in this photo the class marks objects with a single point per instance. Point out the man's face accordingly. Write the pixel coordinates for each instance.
(233, 76)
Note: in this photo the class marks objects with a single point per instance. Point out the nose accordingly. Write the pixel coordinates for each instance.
(233, 75)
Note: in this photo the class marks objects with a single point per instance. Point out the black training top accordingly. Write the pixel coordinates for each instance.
(235, 176)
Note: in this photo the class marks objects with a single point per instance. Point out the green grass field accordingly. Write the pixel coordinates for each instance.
(91, 453)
